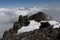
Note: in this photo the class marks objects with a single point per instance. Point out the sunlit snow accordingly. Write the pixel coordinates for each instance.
(55, 24)
(35, 25)
(32, 26)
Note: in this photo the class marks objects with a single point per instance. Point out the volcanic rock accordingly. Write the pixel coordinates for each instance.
(45, 32)
(40, 16)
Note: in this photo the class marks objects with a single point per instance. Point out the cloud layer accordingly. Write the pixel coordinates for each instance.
(9, 16)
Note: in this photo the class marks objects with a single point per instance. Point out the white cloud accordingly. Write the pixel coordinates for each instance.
(54, 11)
(9, 16)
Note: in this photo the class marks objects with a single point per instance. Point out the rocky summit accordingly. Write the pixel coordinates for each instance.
(45, 31)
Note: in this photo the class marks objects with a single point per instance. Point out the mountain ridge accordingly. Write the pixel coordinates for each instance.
(45, 31)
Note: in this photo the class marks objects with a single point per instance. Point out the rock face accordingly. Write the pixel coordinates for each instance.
(38, 17)
(44, 25)
(45, 32)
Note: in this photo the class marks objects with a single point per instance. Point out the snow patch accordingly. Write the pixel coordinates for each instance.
(32, 26)
(55, 24)
(35, 25)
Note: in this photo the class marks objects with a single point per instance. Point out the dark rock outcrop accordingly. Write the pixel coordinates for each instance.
(44, 25)
(24, 21)
(40, 16)
(45, 32)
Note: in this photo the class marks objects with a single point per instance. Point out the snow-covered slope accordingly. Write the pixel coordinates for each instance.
(32, 26)
(55, 24)
(35, 25)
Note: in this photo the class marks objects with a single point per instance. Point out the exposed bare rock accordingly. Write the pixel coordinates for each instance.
(40, 16)
(44, 25)
(23, 20)
(45, 32)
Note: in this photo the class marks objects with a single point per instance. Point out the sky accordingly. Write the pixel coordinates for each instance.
(26, 3)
